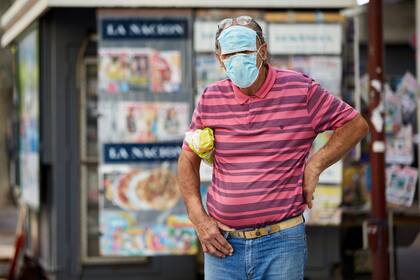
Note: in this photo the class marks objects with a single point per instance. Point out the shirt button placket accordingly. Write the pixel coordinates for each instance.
(249, 116)
(250, 106)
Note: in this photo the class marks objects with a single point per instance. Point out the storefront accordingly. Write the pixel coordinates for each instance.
(104, 95)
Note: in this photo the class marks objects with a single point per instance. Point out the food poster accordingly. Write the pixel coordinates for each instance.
(28, 88)
(143, 122)
(326, 206)
(144, 112)
(142, 212)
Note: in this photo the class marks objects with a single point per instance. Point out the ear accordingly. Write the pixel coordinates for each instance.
(264, 52)
(222, 65)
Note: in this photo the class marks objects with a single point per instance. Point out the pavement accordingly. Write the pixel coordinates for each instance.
(8, 221)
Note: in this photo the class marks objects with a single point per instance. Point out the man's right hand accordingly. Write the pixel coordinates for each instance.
(208, 229)
(211, 238)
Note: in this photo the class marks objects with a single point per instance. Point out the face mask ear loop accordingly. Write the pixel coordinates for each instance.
(262, 60)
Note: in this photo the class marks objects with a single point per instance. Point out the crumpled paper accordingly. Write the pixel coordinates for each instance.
(201, 142)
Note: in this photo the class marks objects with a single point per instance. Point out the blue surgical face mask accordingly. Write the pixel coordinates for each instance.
(237, 39)
(242, 69)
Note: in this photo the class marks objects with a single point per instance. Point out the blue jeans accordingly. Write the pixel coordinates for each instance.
(281, 255)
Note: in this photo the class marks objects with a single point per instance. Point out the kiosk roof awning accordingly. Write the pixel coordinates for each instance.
(23, 12)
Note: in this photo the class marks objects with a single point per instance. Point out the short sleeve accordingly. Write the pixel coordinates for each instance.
(196, 123)
(326, 111)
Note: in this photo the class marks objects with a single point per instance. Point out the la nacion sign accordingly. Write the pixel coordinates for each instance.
(137, 153)
(133, 28)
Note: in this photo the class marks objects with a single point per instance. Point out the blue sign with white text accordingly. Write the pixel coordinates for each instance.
(135, 153)
(134, 29)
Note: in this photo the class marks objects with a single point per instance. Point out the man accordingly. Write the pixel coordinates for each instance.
(264, 121)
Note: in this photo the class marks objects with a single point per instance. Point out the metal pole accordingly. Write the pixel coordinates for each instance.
(418, 38)
(417, 42)
(377, 229)
(357, 87)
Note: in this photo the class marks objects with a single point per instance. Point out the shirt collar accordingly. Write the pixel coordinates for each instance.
(261, 93)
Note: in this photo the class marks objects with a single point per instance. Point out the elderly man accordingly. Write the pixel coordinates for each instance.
(264, 120)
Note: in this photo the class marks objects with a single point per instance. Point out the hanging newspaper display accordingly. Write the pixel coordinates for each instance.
(313, 49)
(400, 122)
(28, 86)
(401, 185)
(326, 70)
(144, 112)
(305, 38)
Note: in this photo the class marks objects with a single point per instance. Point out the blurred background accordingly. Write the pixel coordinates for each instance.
(95, 98)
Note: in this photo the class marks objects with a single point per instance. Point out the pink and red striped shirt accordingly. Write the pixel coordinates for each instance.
(262, 143)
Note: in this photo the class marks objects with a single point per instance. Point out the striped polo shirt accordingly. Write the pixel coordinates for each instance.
(261, 144)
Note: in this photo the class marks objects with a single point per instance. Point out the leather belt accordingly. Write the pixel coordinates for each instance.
(270, 229)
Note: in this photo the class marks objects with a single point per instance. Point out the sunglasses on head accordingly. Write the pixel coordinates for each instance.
(227, 22)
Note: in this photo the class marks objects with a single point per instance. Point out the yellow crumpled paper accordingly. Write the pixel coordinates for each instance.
(201, 142)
